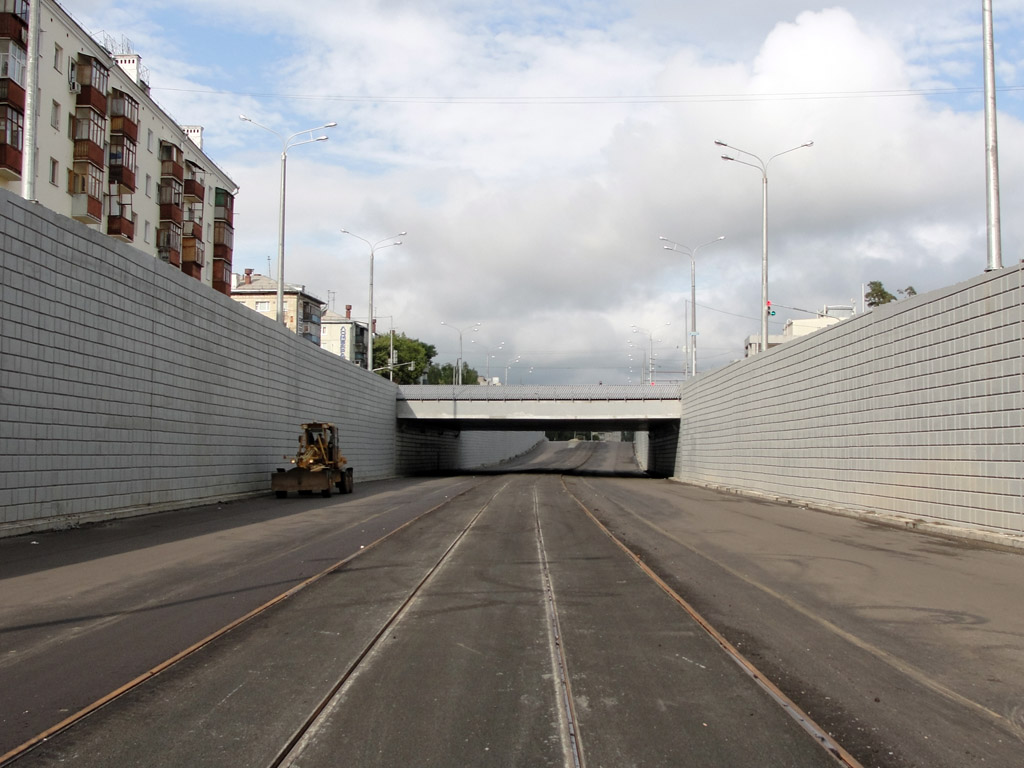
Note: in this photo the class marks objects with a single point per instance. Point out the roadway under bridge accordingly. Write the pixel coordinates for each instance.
(596, 408)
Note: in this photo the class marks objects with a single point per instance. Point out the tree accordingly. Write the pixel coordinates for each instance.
(877, 295)
(445, 374)
(407, 351)
(907, 292)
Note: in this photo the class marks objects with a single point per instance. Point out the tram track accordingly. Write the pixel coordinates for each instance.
(12, 756)
(818, 733)
(538, 503)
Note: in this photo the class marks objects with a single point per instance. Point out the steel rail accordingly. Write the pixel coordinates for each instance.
(804, 720)
(27, 746)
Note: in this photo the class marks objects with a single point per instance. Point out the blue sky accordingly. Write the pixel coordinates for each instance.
(535, 151)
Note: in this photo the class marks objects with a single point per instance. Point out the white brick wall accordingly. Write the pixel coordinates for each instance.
(127, 387)
(913, 408)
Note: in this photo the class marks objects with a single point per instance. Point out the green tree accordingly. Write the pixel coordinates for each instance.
(407, 351)
(907, 292)
(877, 295)
(445, 374)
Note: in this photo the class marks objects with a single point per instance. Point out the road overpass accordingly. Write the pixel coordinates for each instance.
(594, 408)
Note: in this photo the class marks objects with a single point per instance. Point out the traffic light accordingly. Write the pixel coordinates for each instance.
(769, 310)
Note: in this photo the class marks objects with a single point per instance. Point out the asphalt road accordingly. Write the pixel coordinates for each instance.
(907, 648)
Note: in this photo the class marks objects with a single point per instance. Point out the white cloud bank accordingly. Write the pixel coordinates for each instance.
(534, 157)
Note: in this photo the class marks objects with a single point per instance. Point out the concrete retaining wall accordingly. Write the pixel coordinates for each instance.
(913, 408)
(127, 387)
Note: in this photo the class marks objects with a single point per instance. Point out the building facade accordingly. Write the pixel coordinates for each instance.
(344, 336)
(302, 311)
(105, 153)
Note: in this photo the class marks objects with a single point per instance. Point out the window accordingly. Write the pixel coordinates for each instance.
(58, 57)
(12, 61)
(262, 306)
(90, 126)
(11, 127)
(149, 139)
(170, 191)
(122, 152)
(149, 185)
(54, 171)
(17, 7)
(71, 126)
(88, 180)
(55, 115)
(145, 236)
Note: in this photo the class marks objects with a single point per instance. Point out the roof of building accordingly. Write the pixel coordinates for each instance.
(330, 316)
(260, 284)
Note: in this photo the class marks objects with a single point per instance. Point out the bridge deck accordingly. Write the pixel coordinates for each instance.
(534, 393)
(598, 408)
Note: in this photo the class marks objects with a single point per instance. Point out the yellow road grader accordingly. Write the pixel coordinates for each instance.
(319, 464)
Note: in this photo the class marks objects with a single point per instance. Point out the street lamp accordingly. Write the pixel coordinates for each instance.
(471, 329)
(692, 253)
(286, 144)
(509, 364)
(378, 246)
(762, 166)
(501, 346)
(650, 336)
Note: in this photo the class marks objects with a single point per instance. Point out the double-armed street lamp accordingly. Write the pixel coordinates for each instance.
(287, 142)
(692, 253)
(471, 329)
(762, 166)
(374, 247)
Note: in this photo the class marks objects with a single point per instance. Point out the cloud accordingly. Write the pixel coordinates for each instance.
(535, 152)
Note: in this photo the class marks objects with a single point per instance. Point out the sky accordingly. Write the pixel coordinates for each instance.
(534, 152)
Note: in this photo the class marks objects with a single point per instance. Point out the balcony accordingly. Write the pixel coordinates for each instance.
(169, 254)
(171, 212)
(223, 252)
(193, 252)
(193, 229)
(125, 126)
(89, 151)
(222, 276)
(224, 204)
(10, 162)
(86, 209)
(195, 190)
(12, 93)
(120, 226)
(123, 177)
(14, 26)
(90, 96)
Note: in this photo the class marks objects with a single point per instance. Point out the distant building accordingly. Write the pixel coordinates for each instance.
(302, 311)
(106, 154)
(344, 336)
(830, 315)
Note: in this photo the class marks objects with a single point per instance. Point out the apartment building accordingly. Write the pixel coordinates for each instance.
(344, 336)
(302, 310)
(106, 153)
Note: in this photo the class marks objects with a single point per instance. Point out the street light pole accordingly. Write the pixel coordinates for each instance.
(692, 253)
(509, 364)
(457, 379)
(501, 345)
(650, 335)
(762, 166)
(378, 246)
(286, 144)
